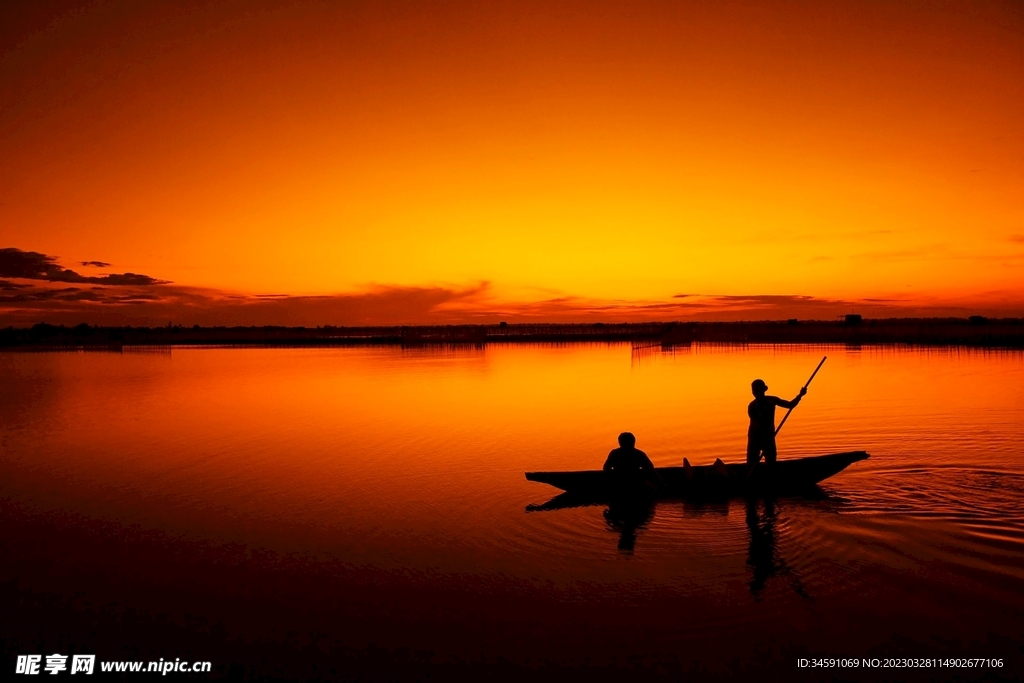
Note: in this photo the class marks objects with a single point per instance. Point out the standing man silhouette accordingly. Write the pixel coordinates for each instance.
(761, 434)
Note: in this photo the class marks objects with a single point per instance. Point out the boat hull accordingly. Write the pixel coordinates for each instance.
(705, 480)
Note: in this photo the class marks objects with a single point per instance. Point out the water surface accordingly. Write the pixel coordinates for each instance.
(366, 508)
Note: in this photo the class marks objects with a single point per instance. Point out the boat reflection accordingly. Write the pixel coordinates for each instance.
(628, 517)
(564, 501)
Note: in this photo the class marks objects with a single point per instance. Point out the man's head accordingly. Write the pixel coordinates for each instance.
(758, 387)
(627, 440)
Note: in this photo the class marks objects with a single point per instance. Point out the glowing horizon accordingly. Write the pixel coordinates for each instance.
(469, 162)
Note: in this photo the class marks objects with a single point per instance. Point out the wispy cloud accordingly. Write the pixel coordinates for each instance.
(35, 289)
(705, 307)
(388, 305)
(902, 254)
(33, 301)
(7, 285)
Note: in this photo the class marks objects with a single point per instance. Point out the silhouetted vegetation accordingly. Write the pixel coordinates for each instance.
(976, 331)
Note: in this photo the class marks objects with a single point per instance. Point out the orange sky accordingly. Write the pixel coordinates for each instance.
(540, 160)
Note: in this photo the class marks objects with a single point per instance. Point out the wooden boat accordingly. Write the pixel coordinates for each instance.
(703, 480)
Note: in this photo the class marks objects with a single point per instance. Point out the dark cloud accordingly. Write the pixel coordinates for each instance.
(70, 303)
(1019, 239)
(31, 265)
(95, 264)
(128, 305)
(7, 286)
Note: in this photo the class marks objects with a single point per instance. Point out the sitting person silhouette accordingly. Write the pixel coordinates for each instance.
(627, 458)
(761, 433)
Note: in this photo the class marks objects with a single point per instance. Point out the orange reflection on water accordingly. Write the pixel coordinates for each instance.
(229, 440)
(377, 495)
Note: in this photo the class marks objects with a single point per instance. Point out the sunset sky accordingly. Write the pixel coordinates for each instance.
(344, 163)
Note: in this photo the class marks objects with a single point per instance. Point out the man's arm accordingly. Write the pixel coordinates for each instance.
(645, 462)
(782, 403)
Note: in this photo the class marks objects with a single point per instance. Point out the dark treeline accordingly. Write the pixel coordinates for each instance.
(974, 331)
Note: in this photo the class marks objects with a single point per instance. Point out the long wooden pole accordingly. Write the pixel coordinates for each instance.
(786, 417)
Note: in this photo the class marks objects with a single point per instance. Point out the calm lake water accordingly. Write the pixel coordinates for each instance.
(341, 513)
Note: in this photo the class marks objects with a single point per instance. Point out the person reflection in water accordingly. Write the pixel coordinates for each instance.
(761, 433)
(761, 551)
(763, 556)
(627, 458)
(628, 516)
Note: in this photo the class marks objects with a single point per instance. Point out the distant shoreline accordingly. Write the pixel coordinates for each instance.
(975, 331)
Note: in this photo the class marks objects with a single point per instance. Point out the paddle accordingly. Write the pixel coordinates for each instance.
(786, 416)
